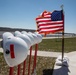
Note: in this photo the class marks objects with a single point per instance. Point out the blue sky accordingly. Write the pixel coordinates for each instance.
(22, 13)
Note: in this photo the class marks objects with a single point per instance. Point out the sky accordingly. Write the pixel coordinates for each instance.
(22, 13)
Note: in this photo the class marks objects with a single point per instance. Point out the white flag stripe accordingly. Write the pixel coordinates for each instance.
(43, 19)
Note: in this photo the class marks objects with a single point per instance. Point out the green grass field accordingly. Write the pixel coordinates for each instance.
(45, 65)
(56, 45)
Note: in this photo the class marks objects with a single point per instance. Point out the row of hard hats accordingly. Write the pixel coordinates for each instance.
(16, 46)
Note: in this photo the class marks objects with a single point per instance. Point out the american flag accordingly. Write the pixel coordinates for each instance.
(48, 22)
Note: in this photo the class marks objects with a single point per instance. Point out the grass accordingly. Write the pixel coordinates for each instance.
(45, 65)
(55, 45)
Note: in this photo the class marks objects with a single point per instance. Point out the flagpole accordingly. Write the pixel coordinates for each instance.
(62, 34)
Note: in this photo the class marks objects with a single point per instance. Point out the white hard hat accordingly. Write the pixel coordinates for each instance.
(23, 32)
(15, 50)
(39, 37)
(35, 37)
(17, 33)
(30, 36)
(5, 36)
(25, 38)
